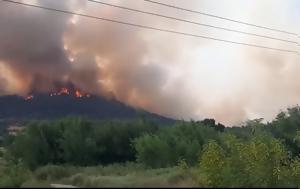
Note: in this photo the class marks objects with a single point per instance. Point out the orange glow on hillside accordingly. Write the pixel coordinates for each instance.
(29, 97)
(64, 91)
(78, 94)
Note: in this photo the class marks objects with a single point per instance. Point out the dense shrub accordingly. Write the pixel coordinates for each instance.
(152, 151)
(53, 172)
(167, 147)
(255, 155)
(258, 162)
(13, 174)
(78, 142)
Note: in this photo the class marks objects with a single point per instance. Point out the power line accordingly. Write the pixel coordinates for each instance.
(147, 27)
(192, 22)
(220, 17)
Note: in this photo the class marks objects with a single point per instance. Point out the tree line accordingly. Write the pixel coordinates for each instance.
(255, 154)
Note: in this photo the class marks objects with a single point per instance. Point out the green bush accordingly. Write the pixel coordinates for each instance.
(53, 172)
(152, 151)
(79, 179)
(78, 142)
(170, 145)
(212, 162)
(259, 162)
(13, 175)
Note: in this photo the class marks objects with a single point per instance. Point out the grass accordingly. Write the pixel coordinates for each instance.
(116, 175)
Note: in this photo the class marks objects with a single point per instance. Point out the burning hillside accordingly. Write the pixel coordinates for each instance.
(67, 102)
(63, 92)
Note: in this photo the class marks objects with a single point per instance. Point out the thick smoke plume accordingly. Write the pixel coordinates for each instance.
(181, 77)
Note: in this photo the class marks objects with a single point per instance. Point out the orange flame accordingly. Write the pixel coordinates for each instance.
(29, 97)
(64, 91)
(78, 94)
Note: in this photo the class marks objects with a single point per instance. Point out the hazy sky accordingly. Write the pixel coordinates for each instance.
(177, 76)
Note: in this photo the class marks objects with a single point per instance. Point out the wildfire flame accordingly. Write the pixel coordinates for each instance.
(64, 91)
(29, 97)
(78, 94)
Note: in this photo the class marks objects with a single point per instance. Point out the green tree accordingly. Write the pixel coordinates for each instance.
(212, 162)
(258, 162)
(152, 151)
(182, 141)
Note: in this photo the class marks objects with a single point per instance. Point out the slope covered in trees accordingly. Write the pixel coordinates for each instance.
(254, 155)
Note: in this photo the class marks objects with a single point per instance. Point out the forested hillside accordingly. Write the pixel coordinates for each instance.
(43, 106)
(85, 152)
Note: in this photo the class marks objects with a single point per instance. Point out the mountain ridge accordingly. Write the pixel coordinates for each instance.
(49, 106)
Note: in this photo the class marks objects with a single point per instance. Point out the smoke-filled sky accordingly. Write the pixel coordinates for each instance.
(173, 75)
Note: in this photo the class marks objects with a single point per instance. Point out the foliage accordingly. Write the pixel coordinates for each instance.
(170, 145)
(78, 142)
(258, 154)
(13, 174)
(286, 126)
(212, 163)
(115, 175)
(259, 162)
(53, 172)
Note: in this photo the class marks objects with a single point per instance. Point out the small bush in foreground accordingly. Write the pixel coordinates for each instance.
(13, 175)
(259, 162)
(53, 172)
